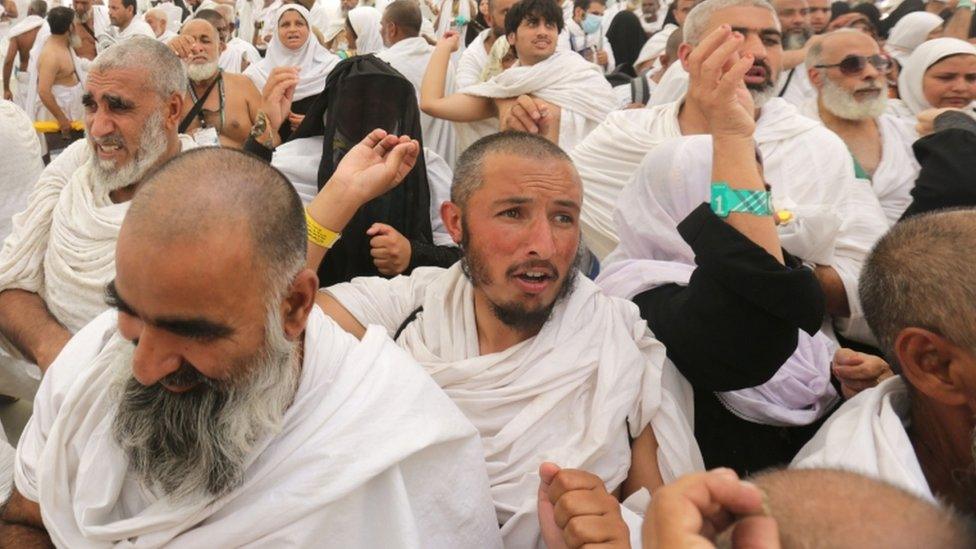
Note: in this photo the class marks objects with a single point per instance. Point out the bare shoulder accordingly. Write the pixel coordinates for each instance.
(242, 84)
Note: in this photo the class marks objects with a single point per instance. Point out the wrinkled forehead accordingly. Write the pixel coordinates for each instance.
(129, 85)
(507, 175)
(198, 28)
(745, 19)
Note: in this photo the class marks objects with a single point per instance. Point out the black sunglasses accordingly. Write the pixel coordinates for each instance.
(854, 64)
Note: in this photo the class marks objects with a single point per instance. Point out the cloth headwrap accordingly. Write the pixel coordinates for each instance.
(365, 20)
(315, 61)
(924, 56)
(672, 181)
(909, 32)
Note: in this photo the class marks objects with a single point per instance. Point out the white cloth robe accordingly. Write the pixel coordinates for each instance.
(18, 84)
(672, 86)
(566, 80)
(895, 176)
(567, 395)
(470, 67)
(368, 441)
(114, 35)
(803, 160)
(574, 39)
(410, 57)
(868, 435)
(233, 56)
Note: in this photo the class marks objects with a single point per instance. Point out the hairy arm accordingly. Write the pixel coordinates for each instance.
(958, 25)
(21, 525)
(644, 470)
(33, 330)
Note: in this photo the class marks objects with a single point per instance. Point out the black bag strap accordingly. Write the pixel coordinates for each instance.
(789, 77)
(639, 90)
(198, 106)
(407, 321)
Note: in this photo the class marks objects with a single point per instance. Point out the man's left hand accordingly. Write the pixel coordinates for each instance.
(858, 371)
(390, 249)
(601, 58)
(575, 510)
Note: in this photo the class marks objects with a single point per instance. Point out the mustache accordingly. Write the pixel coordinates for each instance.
(187, 376)
(533, 264)
(112, 140)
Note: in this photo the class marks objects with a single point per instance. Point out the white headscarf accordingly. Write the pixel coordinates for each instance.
(909, 32)
(672, 181)
(365, 21)
(924, 56)
(315, 61)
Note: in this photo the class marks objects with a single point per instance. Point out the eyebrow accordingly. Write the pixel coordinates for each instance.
(192, 327)
(761, 32)
(519, 200)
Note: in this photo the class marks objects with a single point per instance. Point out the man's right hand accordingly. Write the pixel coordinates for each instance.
(451, 40)
(182, 46)
(276, 98)
(527, 114)
(375, 165)
(717, 85)
(8, 95)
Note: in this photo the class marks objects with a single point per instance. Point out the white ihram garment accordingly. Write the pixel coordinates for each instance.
(233, 56)
(368, 440)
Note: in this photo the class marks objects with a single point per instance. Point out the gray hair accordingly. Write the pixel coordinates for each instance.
(165, 73)
(918, 276)
(155, 12)
(815, 53)
(38, 7)
(469, 171)
(699, 17)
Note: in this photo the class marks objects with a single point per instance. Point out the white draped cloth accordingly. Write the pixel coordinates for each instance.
(315, 60)
(894, 178)
(566, 80)
(365, 22)
(473, 61)
(422, 478)
(655, 45)
(672, 86)
(410, 57)
(909, 32)
(19, 84)
(796, 89)
(114, 35)
(671, 182)
(913, 70)
(233, 56)
(567, 395)
(868, 435)
(68, 98)
(808, 166)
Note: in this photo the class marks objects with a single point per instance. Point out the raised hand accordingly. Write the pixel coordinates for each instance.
(182, 46)
(716, 72)
(276, 98)
(575, 510)
(451, 40)
(376, 164)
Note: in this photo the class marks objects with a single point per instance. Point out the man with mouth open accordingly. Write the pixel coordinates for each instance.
(59, 255)
(835, 221)
(535, 355)
(573, 95)
(848, 72)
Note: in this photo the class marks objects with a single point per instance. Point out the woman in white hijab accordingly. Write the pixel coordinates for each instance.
(940, 73)
(293, 44)
(363, 28)
(910, 31)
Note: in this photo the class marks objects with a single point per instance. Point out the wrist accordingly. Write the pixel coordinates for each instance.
(335, 205)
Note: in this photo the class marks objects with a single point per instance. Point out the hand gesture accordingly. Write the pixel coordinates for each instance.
(693, 510)
(575, 510)
(526, 114)
(717, 84)
(451, 40)
(601, 58)
(277, 95)
(389, 248)
(926, 120)
(376, 164)
(858, 371)
(64, 126)
(182, 46)
(295, 120)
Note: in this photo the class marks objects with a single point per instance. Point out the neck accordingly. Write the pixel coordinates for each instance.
(125, 25)
(692, 120)
(838, 124)
(942, 440)
(125, 194)
(63, 39)
(200, 86)
(493, 335)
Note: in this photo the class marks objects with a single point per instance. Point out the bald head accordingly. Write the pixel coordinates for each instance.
(229, 194)
(820, 508)
(835, 45)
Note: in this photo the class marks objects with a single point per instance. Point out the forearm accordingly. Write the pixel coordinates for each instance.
(30, 327)
(332, 208)
(958, 24)
(734, 162)
(47, 98)
(20, 536)
(793, 58)
(834, 292)
(8, 70)
(435, 78)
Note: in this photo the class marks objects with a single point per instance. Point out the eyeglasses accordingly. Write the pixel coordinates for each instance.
(855, 64)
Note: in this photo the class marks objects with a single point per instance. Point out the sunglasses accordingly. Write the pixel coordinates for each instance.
(855, 64)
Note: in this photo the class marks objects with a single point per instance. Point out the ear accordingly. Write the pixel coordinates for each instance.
(684, 50)
(174, 110)
(298, 304)
(451, 216)
(927, 361)
(511, 39)
(817, 77)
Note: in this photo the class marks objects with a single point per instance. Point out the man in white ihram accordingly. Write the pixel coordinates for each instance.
(219, 407)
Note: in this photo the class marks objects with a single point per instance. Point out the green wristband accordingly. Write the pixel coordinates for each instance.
(726, 200)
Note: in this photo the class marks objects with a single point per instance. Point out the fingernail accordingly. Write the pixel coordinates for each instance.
(726, 472)
(767, 509)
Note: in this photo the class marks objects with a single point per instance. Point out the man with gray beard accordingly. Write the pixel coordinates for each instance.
(916, 430)
(848, 72)
(793, 84)
(218, 406)
(220, 107)
(59, 255)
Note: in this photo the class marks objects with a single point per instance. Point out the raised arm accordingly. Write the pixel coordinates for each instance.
(457, 107)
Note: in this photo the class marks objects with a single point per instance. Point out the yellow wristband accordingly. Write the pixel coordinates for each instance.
(319, 235)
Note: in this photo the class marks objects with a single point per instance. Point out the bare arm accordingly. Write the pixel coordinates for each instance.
(833, 289)
(33, 330)
(644, 470)
(45, 80)
(8, 67)
(9, 10)
(958, 24)
(457, 107)
(21, 525)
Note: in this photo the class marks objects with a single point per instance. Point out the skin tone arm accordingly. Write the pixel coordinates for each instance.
(833, 289)
(27, 323)
(958, 24)
(21, 525)
(8, 69)
(457, 107)
(9, 10)
(45, 80)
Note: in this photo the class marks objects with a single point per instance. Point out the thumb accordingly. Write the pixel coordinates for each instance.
(551, 533)
(377, 229)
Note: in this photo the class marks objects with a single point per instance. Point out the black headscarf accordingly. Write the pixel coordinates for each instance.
(948, 175)
(626, 37)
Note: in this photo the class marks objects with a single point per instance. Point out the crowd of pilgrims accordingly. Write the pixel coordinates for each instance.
(516, 273)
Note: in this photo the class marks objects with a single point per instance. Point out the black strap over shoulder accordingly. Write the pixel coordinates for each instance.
(198, 106)
(406, 322)
(786, 85)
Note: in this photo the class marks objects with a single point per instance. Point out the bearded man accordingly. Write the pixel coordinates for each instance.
(239, 53)
(848, 72)
(793, 84)
(59, 256)
(218, 406)
(93, 21)
(220, 107)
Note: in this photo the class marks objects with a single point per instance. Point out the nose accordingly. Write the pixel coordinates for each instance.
(961, 85)
(541, 238)
(99, 123)
(753, 44)
(870, 72)
(155, 357)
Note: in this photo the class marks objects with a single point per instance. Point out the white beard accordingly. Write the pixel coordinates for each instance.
(761, 97)
(843, 104)
(152, 145)
(201, 71)
(74, 41)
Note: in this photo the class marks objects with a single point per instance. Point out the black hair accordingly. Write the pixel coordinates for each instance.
(546, 10)
(59, 19)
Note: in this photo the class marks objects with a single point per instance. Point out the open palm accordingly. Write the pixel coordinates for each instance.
(377, 164)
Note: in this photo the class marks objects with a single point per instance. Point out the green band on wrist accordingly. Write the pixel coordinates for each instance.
(726, 200)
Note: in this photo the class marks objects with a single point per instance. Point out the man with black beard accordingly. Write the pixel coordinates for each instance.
(218, 406)
(537, 357)
(848, 72)
(59, 255)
